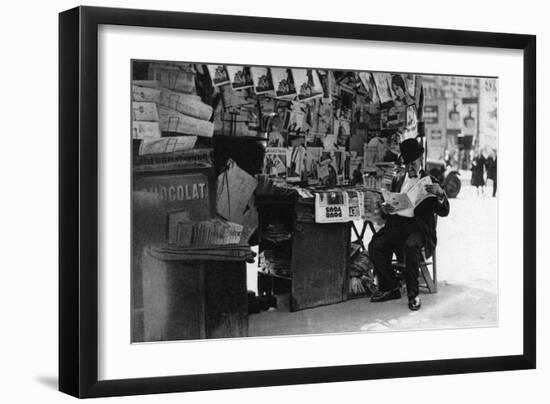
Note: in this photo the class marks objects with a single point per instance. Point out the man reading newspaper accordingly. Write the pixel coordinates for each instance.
(410, 211)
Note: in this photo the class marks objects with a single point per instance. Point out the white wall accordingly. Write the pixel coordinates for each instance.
(28, 218)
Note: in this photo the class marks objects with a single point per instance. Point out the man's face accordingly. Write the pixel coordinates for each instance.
(413, 168)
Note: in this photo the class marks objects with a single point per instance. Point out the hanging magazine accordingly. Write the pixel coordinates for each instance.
(307, 84)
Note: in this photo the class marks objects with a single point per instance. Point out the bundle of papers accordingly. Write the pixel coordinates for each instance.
(145, 94)
(273, 186)
(145, 111)
(178, 77)
(214, 232)
(145, 116)
(234, 252)
(174, 121)
(169, 102)
(273, 263)
(164, 145)
(188, 104)
(192, 158)
(388, 172)
(144, 129)
(372, 181)
(276, 233)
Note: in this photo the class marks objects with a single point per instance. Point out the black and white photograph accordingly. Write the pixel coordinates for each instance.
(307, 84)
(234, 240)
(369, 87)
(384, 86)
(186, 218)
(283, 82)
(219, 75)
(240, 77)
(261, 77)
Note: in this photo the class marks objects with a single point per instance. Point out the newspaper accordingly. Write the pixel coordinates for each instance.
(338, 206)
(409, 199)
(211, 232)
(234, 189)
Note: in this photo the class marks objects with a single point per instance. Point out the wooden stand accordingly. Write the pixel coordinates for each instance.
(194, 299)
(319, 254)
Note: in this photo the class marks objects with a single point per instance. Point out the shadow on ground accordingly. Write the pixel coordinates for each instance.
(48, 381)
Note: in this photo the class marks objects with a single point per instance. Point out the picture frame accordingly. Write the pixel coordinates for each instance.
(78, 201)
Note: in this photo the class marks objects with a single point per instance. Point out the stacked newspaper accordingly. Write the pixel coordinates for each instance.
(388, 171)
(233, 252)
(145, 116)
(275, 263)
(169, 99)
(214, 232)
(276, 233)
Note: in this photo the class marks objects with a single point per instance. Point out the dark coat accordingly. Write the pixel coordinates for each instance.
(491, 167)
(478, 168)
(424, 213)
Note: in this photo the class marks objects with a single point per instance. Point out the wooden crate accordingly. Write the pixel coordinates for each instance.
(319, 264)
(194, 299)
(319, 257)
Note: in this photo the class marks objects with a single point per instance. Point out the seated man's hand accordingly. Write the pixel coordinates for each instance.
(435, 189)
(387, 208)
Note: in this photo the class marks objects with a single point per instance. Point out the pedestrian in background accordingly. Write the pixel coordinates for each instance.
(491, 166)
(478, 172)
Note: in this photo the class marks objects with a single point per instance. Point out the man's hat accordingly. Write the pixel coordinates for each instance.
(410, 150)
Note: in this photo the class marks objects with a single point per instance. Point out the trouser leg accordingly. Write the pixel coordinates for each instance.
(381, 250)
(495, 187)
(412, 247)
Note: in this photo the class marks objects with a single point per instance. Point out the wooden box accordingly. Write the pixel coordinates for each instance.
(319, 253)
(194, 299)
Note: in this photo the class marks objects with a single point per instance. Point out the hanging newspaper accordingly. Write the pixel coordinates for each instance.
(338, 206)
(383, 86)
(240, 77)
(283, 82)
(261, 77)
(411, 128)
(218, 75)
(370, 87)
(307, 84)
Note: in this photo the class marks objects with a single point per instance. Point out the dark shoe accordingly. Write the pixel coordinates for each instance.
(382, 296)
(414, 303)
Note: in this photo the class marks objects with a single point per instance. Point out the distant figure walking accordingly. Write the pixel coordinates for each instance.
(478, 172)
(491, 166)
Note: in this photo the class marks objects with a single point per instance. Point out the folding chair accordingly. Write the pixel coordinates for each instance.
(361, 235)
(428, 280)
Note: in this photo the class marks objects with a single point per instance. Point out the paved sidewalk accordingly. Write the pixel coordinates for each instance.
(454, 306)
